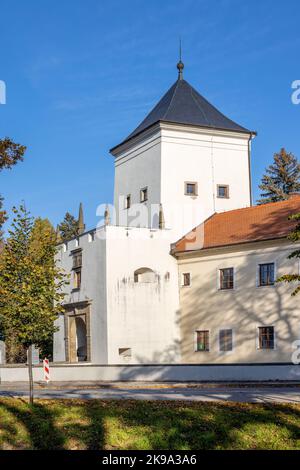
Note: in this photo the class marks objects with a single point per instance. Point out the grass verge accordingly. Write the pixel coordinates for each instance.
(124, 425)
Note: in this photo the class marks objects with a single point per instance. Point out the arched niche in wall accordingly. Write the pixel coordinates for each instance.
(144, 275)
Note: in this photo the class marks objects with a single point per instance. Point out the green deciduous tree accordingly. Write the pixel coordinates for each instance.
(31, 284)
(294, 237)
(281, 179)
(10, 154)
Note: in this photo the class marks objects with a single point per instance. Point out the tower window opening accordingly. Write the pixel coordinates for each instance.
(191, 189)
(128, 202)
(144, 195)
(223, 191)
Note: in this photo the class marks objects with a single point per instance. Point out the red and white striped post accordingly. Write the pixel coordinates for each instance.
(46, 370)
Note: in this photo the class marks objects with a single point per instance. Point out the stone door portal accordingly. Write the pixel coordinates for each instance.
(77, 328)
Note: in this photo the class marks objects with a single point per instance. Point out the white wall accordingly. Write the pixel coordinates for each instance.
(142, 316)
(207, 158)
(155, 373)
(125, 314)
(170, 155)
(93, 288)
(136, 168)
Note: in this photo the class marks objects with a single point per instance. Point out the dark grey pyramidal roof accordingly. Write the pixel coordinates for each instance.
(182, 104)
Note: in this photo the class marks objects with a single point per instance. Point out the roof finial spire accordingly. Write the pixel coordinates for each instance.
(81, 226)
(180, 65)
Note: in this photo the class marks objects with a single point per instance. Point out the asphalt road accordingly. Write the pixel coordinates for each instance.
(241, 395)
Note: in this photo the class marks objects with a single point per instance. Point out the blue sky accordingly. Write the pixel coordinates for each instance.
(81, 75)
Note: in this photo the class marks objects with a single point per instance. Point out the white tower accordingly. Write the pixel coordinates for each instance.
(185, 156)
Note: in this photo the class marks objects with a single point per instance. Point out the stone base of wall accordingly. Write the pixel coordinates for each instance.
(155, 373)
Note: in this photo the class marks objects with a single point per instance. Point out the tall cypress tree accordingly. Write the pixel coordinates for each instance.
(281, 179)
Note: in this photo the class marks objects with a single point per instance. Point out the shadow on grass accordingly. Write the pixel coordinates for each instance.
(95, 425)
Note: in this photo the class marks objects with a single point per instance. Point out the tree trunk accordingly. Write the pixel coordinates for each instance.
(30, 374)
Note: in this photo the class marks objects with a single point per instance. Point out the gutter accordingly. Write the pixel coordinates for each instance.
(179, 254)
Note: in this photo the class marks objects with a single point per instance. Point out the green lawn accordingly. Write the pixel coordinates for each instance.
(95, 424)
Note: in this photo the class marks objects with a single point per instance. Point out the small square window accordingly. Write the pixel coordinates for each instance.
(226, 279)
(128, 202)
(202, 341)
(144, 195)
(186, 279)
(191, 189)
(266, 337)
(266, 274)
(223, 191)
(225, 340)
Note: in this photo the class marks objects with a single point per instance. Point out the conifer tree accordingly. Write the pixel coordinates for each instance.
(31, 285)
(281, 179)
(69, 227)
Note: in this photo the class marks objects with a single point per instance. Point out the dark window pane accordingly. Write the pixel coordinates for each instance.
(266, 274)
(144, 195)
(191, 188)
(225, 340)
(226, 279)
(266, 337)
(223, 191)
(186, 279)
(128, 202)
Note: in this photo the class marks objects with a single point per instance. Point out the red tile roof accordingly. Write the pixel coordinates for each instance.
(257, 223)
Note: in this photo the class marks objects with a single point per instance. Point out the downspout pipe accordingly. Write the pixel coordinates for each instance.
(249, 167)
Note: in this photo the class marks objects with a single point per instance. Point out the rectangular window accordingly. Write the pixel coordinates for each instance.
(202, 341)
(266, 337)
(191, 189)
(144, 195)
(226, 279)
(266, 274)
(77, 260)
(186, 279)
(225, 340)
(223, 191)
(77, 279)
(128, 202)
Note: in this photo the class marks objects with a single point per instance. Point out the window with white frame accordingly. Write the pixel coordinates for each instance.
(226, 279)
(225, 340)
(266, 274)
(266, 337)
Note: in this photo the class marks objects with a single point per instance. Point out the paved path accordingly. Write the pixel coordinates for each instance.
(242, 395)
